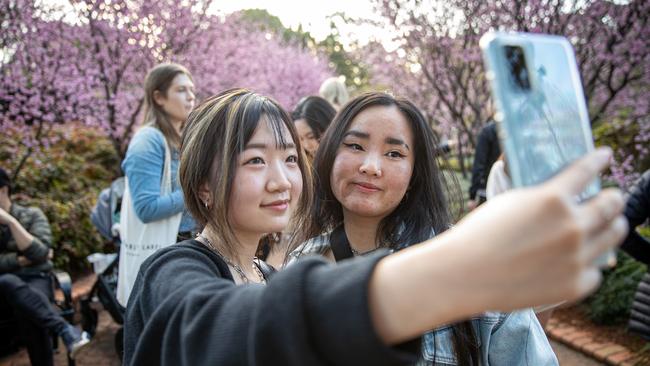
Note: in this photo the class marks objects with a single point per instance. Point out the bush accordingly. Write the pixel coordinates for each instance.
(611, 303)
(64, 180)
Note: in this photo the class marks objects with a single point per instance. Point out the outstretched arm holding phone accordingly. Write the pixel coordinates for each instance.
(546, 253)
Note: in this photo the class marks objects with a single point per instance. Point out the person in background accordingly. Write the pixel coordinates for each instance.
(169, 99)
(637, 212)
(487, 152)
(25, 285)
(335, 92)
(311, 116)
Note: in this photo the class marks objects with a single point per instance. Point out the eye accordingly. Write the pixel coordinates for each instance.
(353, 146)
(395, 154)
(292, 159)
(255, 160)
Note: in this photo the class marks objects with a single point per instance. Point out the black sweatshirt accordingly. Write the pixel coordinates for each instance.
(487, 152)
(186, 310)
(637, 211)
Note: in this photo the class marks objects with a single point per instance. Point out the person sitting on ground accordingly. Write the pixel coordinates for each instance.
(207, 301)
(25, 286)
(334, 91)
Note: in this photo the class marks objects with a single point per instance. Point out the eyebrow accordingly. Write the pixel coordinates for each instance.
(388, 140)
(262, 146)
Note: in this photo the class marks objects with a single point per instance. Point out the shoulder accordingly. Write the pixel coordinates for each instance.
(148, 132)
(146, 138)
(186, 259)
(26, 214)
(315, 246)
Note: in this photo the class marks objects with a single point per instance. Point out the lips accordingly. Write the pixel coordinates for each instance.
(279, 205)
(366, 187)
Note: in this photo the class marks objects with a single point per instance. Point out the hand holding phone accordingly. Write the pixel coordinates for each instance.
(541, 116)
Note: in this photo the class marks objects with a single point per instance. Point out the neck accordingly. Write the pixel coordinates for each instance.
(177, 126)
(243, 253)
(361, 231)
(5, 203)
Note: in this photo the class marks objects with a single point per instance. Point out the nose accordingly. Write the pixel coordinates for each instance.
(278, 180)
(190, 95)
(371, 165)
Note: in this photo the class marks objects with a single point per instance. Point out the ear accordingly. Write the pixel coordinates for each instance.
(159, 98)
(205, 195)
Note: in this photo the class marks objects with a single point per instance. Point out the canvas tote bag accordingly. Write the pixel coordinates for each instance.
(140, 240)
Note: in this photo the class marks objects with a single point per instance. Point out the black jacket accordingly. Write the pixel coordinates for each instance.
(186, 310)
(487, 152)
(637, 211)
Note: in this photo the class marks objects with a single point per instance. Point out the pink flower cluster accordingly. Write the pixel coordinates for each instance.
(89, 67)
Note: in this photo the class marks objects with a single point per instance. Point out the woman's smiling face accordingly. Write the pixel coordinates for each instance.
(267, 183)
(374, 164)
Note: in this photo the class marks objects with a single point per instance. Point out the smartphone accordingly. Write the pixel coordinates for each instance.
(541, 115)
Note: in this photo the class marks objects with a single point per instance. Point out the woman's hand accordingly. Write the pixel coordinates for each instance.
(523, 248)
(540, 245)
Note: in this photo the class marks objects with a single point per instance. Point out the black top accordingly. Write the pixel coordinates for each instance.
(637, 211)
(186, 310)
(487, 152)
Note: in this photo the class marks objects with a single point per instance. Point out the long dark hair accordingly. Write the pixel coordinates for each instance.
(424, 207)
(317, 112)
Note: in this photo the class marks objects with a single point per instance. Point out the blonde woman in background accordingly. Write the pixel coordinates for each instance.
(335, 92)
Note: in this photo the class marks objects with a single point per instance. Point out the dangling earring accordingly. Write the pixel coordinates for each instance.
(206, 204)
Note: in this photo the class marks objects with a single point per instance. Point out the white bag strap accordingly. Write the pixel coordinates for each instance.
(166, 181)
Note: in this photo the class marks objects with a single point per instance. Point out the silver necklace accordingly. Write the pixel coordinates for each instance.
(235, 266)
(358, 253)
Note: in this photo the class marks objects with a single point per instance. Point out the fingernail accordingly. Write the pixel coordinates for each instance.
(604, 153)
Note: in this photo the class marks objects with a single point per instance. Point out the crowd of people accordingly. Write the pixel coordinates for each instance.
(251, 235)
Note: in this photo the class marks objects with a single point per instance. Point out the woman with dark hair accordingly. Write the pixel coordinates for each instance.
(311, 116)
(208, 301)
(153, 212)
(380, 186)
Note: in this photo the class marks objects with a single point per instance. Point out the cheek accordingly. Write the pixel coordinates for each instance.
(400, 177)
(340, 170)
(244, 187)
(295, 178)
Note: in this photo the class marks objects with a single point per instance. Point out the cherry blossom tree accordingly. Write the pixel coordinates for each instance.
(438, 62)
(87, 64)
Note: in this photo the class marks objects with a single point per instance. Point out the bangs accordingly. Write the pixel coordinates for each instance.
(255, 108)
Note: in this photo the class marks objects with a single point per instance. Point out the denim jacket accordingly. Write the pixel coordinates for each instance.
(143, 166)
(515, 338)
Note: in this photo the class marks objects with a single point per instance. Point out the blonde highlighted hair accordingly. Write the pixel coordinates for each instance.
(216, 132)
